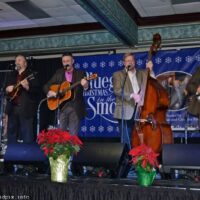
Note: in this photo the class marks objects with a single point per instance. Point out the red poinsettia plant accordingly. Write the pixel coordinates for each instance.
(56, 142)
(144, 158)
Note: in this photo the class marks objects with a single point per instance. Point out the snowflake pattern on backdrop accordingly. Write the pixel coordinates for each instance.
(158, 60)
(188, 59)
(93, 64)
(85, 65)
(77, 65)
(178, 59)
(139, 62)
(110, 129)
(92, 128)
(110, 65)
(101, 129)
(197, 57)
(120, 63)
(168, 60)
(84, 128)
(102, 64)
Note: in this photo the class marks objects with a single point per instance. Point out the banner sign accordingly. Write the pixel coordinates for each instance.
(173, 69)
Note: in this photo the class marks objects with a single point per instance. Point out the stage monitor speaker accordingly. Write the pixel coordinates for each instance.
(109, 155)
(20, 152)
(180, 156)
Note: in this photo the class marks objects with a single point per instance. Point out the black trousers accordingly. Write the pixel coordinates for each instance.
(126, 131)
(19, 127)
(69, 120)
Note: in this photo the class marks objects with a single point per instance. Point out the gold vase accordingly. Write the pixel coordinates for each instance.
(59, 169)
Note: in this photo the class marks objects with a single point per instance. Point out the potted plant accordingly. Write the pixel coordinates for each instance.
(58, 146)
(145, 161)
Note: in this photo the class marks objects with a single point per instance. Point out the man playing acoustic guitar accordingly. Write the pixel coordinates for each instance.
(72, 108)
(22, 91)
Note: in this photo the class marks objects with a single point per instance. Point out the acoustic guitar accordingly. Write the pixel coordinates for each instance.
(12, 95)
(64, 92)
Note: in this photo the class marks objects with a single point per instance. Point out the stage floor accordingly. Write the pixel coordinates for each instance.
(39, 187)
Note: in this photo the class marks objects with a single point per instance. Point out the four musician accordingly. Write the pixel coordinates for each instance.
(193, 90)
(22, 88)
(127, 84)
(22, 92)
(175, 84)
(71, 112)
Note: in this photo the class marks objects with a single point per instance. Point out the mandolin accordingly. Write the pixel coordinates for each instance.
(64, 92)
(12, 95)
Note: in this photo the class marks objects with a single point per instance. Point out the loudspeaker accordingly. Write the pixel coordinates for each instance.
(180, 156)
(20, 152)
(109, 155)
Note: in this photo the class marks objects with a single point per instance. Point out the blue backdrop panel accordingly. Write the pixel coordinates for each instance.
(101, 100)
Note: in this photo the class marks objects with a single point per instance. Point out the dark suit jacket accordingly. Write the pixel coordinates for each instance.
(194, 83)
(78, 101)
(27, 99)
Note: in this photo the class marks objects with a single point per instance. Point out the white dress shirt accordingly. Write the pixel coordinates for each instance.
(134, 82)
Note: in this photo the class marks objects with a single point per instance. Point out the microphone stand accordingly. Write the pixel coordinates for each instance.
(6, 70)
(123, 121)
(58, 116)
(1, 113)
(38, 115)
(186, 128)
(2, 104)
(58, 107)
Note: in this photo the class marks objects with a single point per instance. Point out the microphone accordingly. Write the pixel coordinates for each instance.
(197, 95)
(128, 67)
(66, 66)
(17, 67)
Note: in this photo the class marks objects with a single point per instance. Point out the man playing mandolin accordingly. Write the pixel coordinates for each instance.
(22, 89)
(72, 108)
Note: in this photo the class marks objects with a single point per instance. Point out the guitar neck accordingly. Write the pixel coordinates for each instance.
(19, 83)
(74, 85)
(71, 86)
(94, 76)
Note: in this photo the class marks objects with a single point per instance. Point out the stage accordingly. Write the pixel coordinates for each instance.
(40, 187)
(37, 185)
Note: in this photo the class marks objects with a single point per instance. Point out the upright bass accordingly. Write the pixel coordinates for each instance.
(150, 125)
